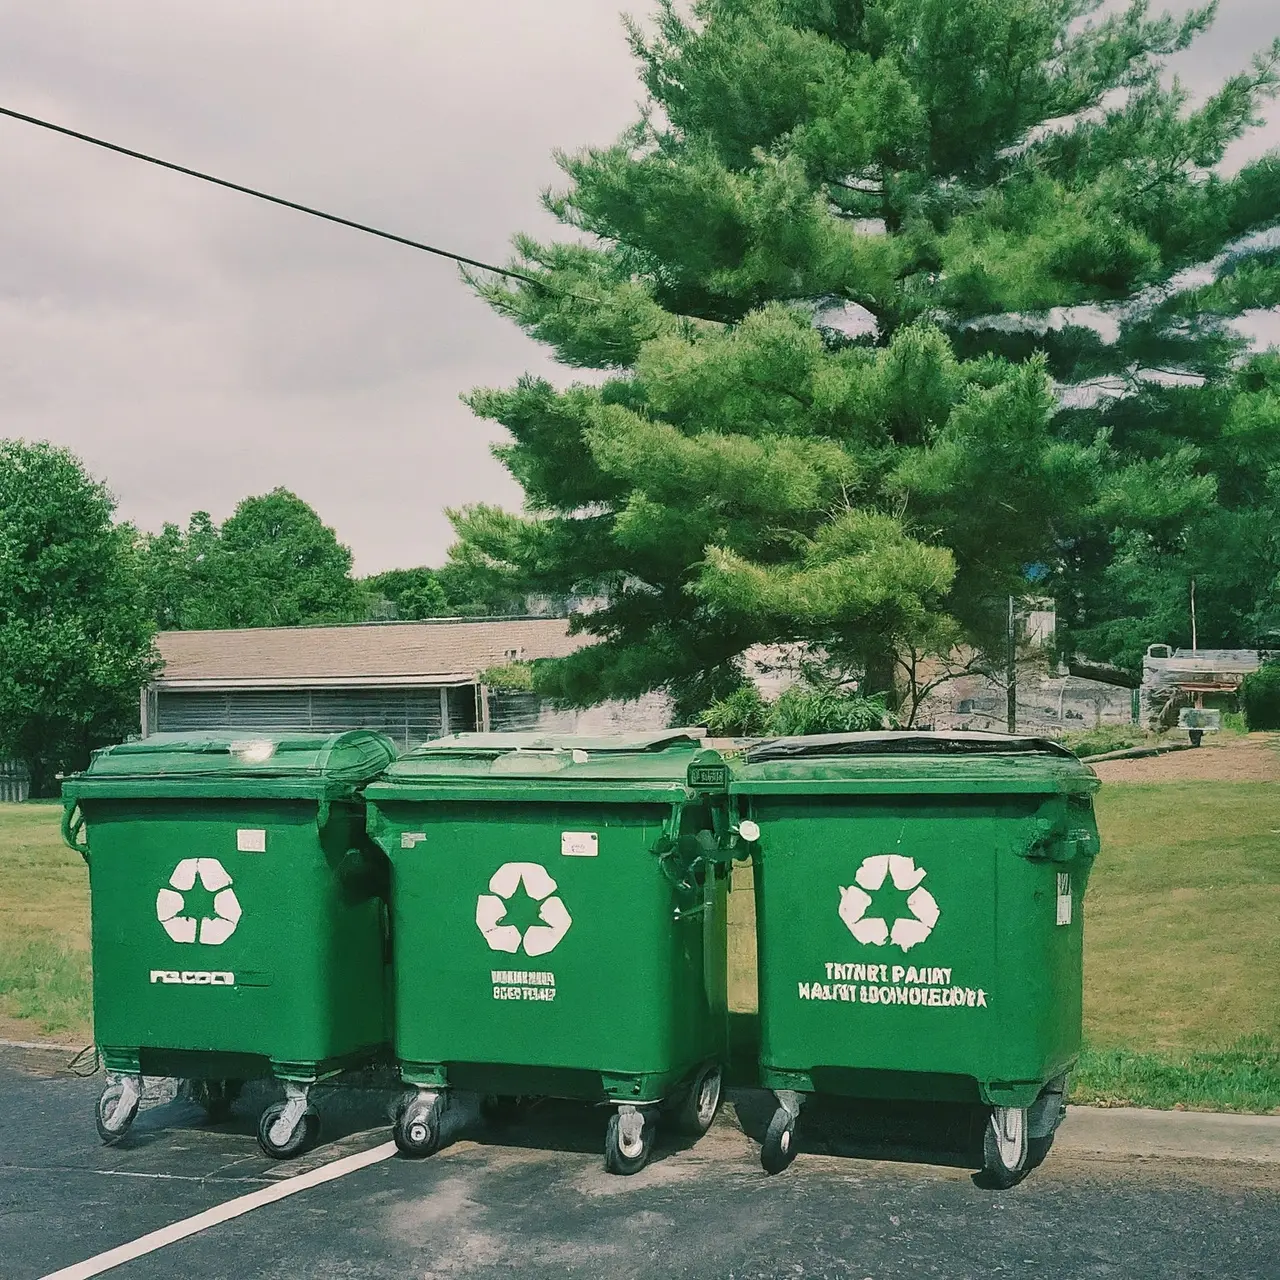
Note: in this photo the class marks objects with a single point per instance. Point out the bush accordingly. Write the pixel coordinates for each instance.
(802, 709)
(514, 676)
(743, 714)
(1260, 697)
(1104, 738)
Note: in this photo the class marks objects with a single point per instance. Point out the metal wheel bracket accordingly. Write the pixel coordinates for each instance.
(790, 1101)
(1009, 1125)
(631, 1122)
(296, 1101)
(130, 1087)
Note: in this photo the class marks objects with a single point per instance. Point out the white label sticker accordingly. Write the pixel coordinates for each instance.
(412, 839)
(579, 844)
(1064, 898)
(249, 841)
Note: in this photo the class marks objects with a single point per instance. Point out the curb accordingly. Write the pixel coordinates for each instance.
(1141, 1133)
(42, 1046)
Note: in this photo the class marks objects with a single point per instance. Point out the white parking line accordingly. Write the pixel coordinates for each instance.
(222, 1213)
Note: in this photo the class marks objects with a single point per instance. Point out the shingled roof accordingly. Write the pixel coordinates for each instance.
(438, 651)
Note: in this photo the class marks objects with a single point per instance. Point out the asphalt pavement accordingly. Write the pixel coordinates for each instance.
(879, 1196)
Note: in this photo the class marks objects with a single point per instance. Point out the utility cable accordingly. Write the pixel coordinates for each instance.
(288, 204)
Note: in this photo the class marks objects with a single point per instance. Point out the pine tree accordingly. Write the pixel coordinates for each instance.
(819, 275)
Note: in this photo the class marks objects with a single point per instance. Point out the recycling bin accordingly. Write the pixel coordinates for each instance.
(239, 919)
(558, 905)
(918, 917)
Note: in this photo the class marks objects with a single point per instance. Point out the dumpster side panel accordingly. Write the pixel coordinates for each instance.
(217, 927)
(903, 934)
(540, 937)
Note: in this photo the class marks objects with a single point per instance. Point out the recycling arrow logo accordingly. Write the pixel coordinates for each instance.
(213, 930)
(906, 877)
(538, 939)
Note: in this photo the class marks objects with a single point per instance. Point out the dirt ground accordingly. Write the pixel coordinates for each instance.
(1253, 757)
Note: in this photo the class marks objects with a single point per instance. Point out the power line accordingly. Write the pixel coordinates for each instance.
(280, 200)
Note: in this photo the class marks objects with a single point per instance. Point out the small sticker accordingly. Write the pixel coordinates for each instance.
(250, 841)
(412, 839)
(579, 844)
(1064, 898)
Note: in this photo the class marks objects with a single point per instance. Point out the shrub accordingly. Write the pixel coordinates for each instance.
(802, 709)
(1104, 738)
(1260, 696)
(743, 714)
(515, 675)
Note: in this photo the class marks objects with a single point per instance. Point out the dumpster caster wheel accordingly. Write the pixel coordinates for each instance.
(417, 1127)
(779, 1147)
(1006, 1153)
(1037, 1150)
(286, 1129)
(628, 1142)
(699, 1106)
(117, 1107)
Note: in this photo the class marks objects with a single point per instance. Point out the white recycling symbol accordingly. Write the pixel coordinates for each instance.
(872, 930)
(170, 904)
(538, 939)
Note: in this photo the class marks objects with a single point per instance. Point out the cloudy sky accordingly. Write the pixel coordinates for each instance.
(195, 346)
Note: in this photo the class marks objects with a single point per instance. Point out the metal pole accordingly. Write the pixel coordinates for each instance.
(1194, 638)
(1011, 668)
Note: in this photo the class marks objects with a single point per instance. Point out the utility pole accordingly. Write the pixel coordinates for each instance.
(1011, 667)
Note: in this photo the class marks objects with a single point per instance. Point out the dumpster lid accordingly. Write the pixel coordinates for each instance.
(481, 763)
(498, 744)
(912, 763)
(905, 743)
(352, 757)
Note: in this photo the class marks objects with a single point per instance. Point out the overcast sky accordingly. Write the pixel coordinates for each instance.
(195, 346)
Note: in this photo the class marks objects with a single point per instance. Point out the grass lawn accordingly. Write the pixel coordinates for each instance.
(1182, 943)
(44, 925)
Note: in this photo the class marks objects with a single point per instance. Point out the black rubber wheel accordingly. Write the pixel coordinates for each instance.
(621, 1162)
(417, 1128)
(112, 1127)
(304, 1134)
(995, 1175)
(779, 1147)
(701, 1102)
(1037, 1150)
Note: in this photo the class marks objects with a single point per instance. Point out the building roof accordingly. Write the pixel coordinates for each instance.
(373, 654)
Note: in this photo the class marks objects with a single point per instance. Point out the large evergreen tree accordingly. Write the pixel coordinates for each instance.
(820, 273)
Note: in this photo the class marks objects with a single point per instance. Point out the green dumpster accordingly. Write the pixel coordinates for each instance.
(239, 918)
(558, 905)
(919, 931)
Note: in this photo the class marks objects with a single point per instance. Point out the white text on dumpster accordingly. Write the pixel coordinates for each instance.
(522, 984)
(930, 987)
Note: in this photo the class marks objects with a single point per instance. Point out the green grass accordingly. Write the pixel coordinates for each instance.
(1182, 948)
(44, 924)
(47, 983)
(1243, 1078)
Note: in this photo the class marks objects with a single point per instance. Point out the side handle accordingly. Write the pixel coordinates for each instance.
(73, 830)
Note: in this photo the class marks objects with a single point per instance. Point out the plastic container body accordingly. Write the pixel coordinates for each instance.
(919, 914)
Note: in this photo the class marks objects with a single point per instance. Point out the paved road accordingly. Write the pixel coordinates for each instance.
(534, 1202)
